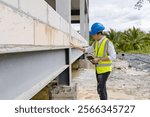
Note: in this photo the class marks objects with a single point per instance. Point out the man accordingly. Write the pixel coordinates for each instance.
(104, 52)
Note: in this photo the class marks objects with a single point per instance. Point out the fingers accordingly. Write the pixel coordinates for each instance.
(95, 60)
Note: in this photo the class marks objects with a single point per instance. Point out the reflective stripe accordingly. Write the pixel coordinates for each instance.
(102, 65)
(105, 49)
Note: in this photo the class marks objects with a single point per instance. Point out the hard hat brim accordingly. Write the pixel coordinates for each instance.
(92, 33)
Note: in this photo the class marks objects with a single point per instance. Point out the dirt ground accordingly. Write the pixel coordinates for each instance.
(124, 83)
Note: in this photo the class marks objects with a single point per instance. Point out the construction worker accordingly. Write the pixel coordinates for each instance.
(104, 52)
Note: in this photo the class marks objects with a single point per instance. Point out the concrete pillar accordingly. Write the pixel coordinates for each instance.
(63, 7)
(87, 28)
(87, 20)
(82, 18)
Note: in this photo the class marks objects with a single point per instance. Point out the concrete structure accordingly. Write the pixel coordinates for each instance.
(35, 44)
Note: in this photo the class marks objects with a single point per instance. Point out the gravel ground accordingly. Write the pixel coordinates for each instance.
(130, 79)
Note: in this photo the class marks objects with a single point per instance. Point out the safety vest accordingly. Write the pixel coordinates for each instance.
(101, 51)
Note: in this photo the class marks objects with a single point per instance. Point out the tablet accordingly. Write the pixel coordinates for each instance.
(90, 57)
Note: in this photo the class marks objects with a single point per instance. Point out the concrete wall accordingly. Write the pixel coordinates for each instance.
(35, 8)
(53, 18)
(13, 3)
(46, 35)
(41, 34)
(77, 38)
(34, 23)
(64, 26)
(15, 28)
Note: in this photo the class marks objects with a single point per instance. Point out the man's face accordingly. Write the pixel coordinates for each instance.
(95, 37)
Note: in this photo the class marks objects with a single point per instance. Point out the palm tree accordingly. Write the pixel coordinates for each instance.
(114, 36)
(133, 39)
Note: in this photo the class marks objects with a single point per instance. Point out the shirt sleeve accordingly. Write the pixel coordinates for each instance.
(111, 51)
(90, 49)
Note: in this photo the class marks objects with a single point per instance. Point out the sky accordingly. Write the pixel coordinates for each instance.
(119, 14)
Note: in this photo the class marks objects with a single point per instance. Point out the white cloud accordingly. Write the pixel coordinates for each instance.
(120, 14)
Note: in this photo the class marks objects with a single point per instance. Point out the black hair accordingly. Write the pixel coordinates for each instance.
(101, 32)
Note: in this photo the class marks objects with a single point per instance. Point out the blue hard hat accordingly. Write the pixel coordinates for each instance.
(96, 27)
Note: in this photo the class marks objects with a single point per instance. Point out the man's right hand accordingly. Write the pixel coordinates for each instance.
(78, 47)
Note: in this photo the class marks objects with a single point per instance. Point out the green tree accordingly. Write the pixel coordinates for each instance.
(133, 39)
(114, 36)
(91, 40)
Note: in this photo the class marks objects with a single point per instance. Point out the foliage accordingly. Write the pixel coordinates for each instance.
(131, 40)
(91, 40)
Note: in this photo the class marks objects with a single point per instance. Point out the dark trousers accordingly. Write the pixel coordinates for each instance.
(101, 85)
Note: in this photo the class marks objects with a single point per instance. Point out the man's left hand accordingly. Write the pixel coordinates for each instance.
(95, 60)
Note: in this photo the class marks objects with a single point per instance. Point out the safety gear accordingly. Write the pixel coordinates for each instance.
(96, 27)
(101, 51)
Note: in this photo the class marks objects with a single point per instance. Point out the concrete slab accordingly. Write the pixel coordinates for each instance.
(13, 3)
(35, 8)
(15, 28)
